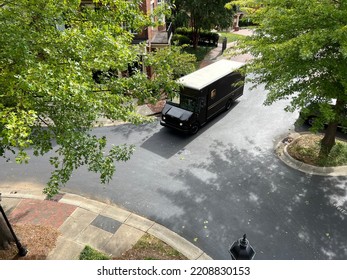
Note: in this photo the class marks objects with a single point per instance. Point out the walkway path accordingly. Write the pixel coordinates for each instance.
(217, 53)
(83, 221)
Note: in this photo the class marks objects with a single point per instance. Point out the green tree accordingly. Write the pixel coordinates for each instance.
(300, 53)
(49, 99)
(204, 14)
(246, 6)
(177, 64)
(49, 52)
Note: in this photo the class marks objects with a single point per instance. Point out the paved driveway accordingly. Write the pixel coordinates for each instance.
(225, 181)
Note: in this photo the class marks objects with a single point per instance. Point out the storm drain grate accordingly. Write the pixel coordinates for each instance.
(106, 223)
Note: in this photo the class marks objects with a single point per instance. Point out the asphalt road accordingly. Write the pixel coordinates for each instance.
(225, 181)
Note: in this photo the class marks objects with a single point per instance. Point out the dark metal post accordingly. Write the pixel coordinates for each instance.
(224, 44)
(241, 250)
(22, 251)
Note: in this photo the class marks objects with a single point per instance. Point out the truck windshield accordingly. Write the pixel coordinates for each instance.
(185, 102)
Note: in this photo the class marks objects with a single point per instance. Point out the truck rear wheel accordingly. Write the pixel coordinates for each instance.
(228, 105)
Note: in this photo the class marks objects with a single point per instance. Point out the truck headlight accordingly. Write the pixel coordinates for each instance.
(181, 124)
(164, 118)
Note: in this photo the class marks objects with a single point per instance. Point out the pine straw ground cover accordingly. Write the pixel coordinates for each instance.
(307, 148)
(38, 240)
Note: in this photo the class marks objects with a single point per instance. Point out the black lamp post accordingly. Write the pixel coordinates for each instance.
(241, 250)
(224, 44)
(22, 251)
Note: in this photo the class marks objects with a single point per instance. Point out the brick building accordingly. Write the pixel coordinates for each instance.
(156, 36)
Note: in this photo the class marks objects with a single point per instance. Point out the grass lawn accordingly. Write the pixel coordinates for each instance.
(307, 149)
(88, 253)
(151, 248)
(231, 37)
(147, 248)
(199, 52)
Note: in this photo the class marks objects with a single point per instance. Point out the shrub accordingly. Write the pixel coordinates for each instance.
(206, 38)
(184, 31)
(88, 253)
(180, 39)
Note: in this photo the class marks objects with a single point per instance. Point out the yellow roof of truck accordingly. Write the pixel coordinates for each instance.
(203, 77)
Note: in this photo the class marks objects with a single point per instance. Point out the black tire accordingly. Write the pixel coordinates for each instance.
(228, 105)
(194, 129)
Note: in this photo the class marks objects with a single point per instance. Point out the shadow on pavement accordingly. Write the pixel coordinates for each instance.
(285, 213)
(167, 142)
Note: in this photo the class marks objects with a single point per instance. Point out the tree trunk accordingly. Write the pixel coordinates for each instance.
(328, 140)
(195, 33)
(195, 39)
(5, 235)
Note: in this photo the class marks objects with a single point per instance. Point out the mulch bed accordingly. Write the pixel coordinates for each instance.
(158, 107)
(38, 240)
(307, 149)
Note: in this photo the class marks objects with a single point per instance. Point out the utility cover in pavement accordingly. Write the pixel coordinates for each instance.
(106, 223)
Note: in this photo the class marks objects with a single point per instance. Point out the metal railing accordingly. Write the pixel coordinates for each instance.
(169, 31)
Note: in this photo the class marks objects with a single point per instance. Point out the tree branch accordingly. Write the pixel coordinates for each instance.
(42, 120)
(102, 90)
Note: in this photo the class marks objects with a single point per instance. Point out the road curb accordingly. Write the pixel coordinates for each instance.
(125, 217)
(282, 153)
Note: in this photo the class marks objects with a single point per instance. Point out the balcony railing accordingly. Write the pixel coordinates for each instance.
(169, 31)
(163, 37)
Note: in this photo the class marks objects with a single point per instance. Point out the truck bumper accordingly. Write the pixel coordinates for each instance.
(179, 128)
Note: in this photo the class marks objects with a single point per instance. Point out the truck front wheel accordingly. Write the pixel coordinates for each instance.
(195, 128)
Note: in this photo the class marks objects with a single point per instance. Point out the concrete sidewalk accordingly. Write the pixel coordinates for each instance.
(217, 53)
(82, 222)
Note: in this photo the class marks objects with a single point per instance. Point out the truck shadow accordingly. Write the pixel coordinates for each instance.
(168, 142)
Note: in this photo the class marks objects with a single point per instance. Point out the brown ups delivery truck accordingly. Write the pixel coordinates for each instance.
(204, 93)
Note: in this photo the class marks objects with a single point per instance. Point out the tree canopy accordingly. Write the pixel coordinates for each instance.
(204, 14)
(300, 53)
(49, 99)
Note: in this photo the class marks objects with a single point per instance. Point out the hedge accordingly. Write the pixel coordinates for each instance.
(180, 39)
(206, 37)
